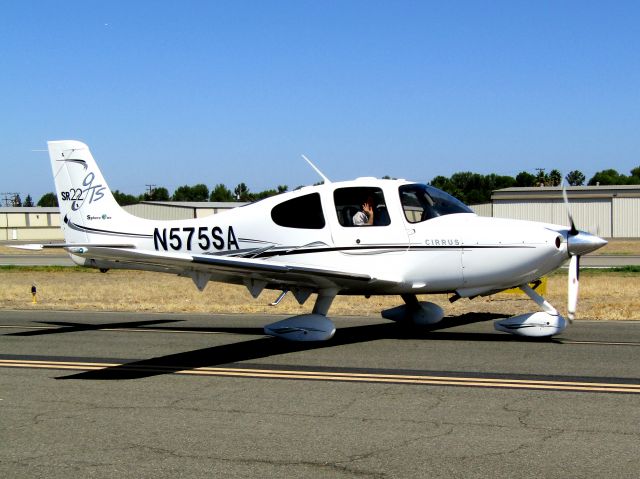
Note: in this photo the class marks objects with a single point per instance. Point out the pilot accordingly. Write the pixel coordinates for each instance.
(364, 217)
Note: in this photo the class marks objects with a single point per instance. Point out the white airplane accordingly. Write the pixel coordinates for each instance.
(415, 240)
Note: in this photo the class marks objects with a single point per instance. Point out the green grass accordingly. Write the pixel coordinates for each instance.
(621, 269)
(630, 270)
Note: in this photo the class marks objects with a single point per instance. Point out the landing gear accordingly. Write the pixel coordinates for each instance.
(547, 322)
(307, 327)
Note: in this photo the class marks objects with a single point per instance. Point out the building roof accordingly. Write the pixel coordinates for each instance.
(29, 209)
(196, 204)
(555, 192)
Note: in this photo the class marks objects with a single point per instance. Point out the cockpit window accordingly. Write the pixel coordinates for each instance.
(301, 212)
(361, 206)
(423, 202)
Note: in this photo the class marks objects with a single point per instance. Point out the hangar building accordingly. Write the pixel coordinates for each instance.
(43, 224)
(29, 224)
(607, 211)
(179, 210)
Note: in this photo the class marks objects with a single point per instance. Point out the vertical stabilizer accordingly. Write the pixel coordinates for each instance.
(87, 207)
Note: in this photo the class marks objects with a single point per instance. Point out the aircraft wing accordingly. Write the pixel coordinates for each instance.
(275, 274)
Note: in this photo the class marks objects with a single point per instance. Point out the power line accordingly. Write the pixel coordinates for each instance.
(10, 199)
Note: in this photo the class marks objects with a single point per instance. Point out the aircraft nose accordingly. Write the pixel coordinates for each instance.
(583, 243)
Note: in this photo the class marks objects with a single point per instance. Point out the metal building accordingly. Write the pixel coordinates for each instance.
(29, 224)
(43, 224)
(607, 211)
(179, 210)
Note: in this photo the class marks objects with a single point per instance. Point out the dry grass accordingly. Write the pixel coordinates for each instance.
(603, 295)
(621, 247)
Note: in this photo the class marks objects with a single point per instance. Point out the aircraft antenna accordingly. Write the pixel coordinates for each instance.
(326, 180)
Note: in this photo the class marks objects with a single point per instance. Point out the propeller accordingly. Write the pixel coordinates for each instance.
(573, 287)
(574, 265)
(578, 243)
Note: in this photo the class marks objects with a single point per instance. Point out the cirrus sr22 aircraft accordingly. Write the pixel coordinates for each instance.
(420, 241)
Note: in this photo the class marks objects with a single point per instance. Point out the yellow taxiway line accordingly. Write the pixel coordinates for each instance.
(339, 376)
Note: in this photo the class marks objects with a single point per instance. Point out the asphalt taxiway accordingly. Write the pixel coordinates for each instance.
(169, 395)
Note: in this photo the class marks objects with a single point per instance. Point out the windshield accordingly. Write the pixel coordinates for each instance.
(423, 202)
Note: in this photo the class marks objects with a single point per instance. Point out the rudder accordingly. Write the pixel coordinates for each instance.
(83, 194)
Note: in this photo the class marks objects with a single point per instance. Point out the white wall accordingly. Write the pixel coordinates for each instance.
(592, 215)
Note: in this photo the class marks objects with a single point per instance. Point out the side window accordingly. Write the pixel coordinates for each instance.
(302, 212)
(361, 206)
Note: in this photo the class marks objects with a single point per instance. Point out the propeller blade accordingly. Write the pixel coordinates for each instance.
(573, 286)
(573, 231)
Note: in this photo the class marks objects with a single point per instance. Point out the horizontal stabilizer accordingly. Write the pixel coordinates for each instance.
(37, 247)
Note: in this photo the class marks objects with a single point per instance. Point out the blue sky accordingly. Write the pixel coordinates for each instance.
(187, 92)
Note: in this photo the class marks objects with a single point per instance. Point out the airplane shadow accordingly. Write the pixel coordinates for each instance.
(264, 347)
(67, 327)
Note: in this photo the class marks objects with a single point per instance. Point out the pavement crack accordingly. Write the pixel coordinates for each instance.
(324, 467)
(386, 450)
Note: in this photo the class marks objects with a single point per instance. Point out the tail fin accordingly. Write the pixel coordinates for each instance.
(83, 195)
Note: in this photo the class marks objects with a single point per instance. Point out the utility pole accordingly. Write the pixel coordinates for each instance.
(150, 190)
(9, 199)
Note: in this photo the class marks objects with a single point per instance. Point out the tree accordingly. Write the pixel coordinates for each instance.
(124, 199)
(608, 177)
(221, 193)
(182, 193)
(472, 188)
(634, 179)
(494, 182)
(525, 179)
(16, 201)
(28, 201)
(199, 192)
(48, 200)
(157, 194)
(575, 178)
(469, 187)
(542, 179)
(554, 178)
(267, 193)
(445, 184)
(242, 193)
